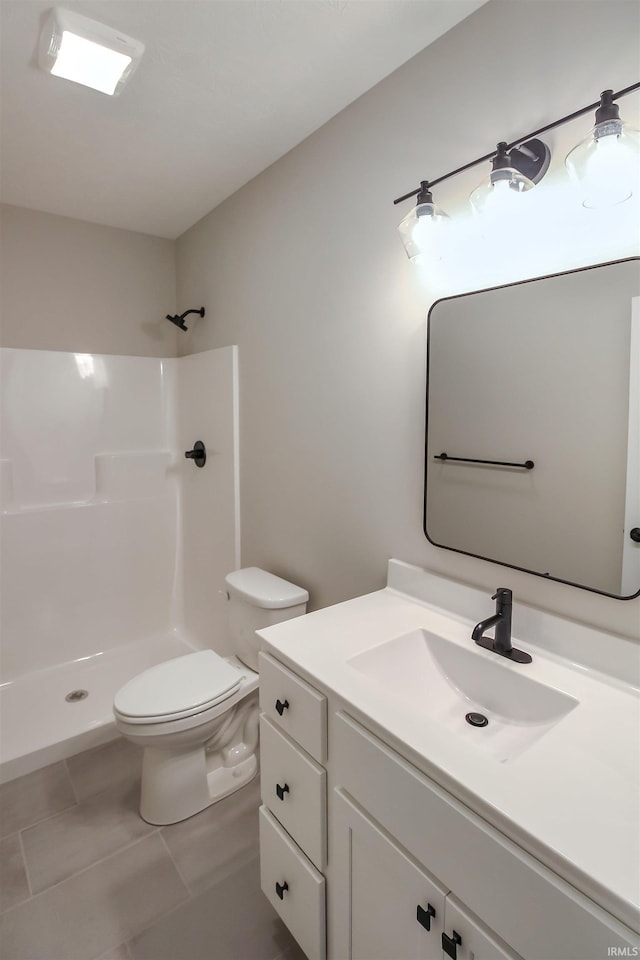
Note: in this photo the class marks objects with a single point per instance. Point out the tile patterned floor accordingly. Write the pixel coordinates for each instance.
(82, 877)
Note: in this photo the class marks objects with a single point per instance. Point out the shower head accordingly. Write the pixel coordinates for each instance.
(179, 318)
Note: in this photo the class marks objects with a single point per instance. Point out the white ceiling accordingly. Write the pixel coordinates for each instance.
(224, 89)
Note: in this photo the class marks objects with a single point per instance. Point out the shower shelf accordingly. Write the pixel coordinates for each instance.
(118, 476)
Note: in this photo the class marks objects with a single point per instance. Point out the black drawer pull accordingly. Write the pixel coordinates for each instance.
(424, 916)
(282, 790)
(450, 944)
(280, 889)
(281, 707)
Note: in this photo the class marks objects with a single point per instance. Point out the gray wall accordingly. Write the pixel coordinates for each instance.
(71, 285)
(303, 269)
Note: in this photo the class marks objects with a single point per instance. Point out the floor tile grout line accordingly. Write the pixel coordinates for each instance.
(47, 816)
(89, 866)
(53, 816)
(35, 823)
(127, 949)
(110, 786)
(178, 906)
(70, 778)
(76, 806)
(174, 862)
(26, 867)
(173, 909)
(60, 813)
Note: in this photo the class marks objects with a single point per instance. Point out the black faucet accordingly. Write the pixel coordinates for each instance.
(501, 641)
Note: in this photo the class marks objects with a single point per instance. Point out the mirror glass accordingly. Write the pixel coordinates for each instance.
(541, 377)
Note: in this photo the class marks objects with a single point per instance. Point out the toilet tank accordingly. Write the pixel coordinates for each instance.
(259, 599)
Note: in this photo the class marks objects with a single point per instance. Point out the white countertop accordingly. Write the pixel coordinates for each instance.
(571, 799)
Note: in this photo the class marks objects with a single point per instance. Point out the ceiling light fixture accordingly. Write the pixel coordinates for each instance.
(519, 165)
(87, 52)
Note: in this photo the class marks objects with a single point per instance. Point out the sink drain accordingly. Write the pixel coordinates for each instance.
(76, 695)
(476, 719)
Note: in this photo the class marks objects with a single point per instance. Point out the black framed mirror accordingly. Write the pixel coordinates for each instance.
(533, 426)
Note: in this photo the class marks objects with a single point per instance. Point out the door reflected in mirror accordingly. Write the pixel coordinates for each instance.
(533, 394)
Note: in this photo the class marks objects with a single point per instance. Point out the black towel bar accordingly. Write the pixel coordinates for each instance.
(527, 465)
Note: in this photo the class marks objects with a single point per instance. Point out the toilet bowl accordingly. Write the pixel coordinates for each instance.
(196, 717)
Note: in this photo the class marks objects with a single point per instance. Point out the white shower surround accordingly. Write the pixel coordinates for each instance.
(114, 546)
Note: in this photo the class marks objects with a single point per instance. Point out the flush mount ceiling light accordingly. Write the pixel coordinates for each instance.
(518, 166)
(87, 52)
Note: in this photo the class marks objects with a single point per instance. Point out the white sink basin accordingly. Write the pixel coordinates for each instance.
(444, 682)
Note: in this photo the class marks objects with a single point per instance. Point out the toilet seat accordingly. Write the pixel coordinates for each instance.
(178, 688)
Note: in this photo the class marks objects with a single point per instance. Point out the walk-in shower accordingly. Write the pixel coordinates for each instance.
(112, 545)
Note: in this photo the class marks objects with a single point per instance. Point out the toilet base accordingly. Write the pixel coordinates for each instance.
(190, 762)
(177, 786)
(182, 777)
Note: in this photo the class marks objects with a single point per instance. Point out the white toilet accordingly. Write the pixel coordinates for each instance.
(197, 716)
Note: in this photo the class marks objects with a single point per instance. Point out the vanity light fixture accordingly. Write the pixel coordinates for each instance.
(605, 165)
(507, 178)
(519, 165)
(86, 51)
(422, 227)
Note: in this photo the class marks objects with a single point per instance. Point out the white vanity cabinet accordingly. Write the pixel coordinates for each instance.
(469, 938)
(293, 815)
(366, 857)
(396, 909)
(500, 902)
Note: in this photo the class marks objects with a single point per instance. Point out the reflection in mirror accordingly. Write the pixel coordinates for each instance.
(544, 371)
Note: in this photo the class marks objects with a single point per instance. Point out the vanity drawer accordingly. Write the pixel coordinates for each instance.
(294, 706)
(487, 871)
(293, 886)
(294, 788)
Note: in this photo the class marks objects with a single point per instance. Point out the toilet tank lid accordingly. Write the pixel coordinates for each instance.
(264, 589)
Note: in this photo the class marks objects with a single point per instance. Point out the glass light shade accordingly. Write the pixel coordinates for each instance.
(605, 166)
(495, 196)
(422, 231)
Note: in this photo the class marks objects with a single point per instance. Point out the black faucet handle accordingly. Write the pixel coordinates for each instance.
(503, 595)
(501, 642)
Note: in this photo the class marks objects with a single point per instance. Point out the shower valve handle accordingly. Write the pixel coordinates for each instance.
(198, 454)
